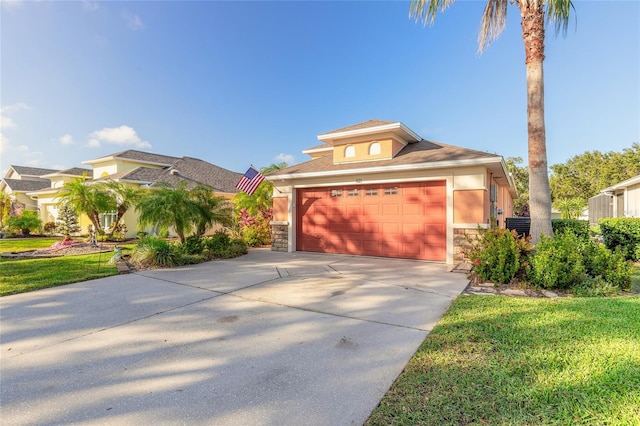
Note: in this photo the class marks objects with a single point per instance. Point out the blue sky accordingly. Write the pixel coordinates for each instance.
(239, 83)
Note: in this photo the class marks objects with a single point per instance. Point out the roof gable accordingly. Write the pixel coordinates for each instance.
(136, 156)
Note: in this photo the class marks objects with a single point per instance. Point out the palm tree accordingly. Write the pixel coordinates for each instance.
(533, 30)
(126, 196)
(182, 209)
(88, 199)
(212, 209)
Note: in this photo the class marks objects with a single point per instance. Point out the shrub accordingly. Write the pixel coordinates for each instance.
(578, 227)
(221, 246)
(155, 252)
(622, 233)
(193, 245)
(600, 262)
(495, 255)
(217, 244)
(49, 228)
(595, 287)
(557, 263)
(27, 222)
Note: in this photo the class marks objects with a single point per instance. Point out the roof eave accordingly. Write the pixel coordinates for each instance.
(410, 134)
(383, 169)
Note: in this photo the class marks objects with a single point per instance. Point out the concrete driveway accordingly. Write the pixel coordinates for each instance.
(265, 339)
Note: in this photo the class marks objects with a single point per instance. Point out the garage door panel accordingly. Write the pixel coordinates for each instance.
(395, 220)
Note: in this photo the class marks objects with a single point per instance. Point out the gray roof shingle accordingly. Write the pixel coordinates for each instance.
(32, 171)
(415, 153)
(33, 184)
(132, 154)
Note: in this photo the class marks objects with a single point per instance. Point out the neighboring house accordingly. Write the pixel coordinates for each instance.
(138, 168)
(379, 189)
(620, 200)
(18, 181)
(47, 198)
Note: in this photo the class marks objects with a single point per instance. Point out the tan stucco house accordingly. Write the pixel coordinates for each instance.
(132, 167)
(377, 188)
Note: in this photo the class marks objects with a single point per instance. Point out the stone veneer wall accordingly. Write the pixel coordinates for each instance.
(279, 237)
(460, 243)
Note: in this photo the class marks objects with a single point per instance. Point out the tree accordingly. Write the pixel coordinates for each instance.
(27, 222)
(253, 212)
(67, 222)
(88, 199)
(521, 179)
(493, 21)
(212, 209)
(182, 209)
(570, 208)
(5, 207)
(125, 196)
(585, 175)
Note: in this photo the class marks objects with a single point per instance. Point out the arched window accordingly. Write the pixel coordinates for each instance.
(350, 151)
(374, 148)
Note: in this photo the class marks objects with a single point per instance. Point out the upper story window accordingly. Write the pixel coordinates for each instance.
(374, 148)
(350, 151)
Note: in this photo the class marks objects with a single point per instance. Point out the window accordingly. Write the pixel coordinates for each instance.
(353, 193)
(336, 192)
(391, 191)
(350, 151)
(374, 148)
(107, 219)
(371, 192)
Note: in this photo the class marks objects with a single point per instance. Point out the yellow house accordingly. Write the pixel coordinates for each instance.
(18, 181)
(131, 167)
(377, 188)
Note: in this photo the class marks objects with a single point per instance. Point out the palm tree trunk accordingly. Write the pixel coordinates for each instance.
(532, 14)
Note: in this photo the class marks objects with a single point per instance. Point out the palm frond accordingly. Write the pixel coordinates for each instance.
(494, 19)
(558, 13)
(426, 10)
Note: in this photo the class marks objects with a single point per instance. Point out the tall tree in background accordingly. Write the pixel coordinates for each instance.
(494, 18)
(585, 175)
(520, 176)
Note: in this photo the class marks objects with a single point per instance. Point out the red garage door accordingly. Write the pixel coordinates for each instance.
(405, 220)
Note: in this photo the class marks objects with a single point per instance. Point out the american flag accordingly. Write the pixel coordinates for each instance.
(250, 181)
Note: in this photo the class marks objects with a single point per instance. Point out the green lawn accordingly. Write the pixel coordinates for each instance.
(19, 276)
(496, 360)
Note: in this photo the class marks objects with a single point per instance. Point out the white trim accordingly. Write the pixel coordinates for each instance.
(449, 238)
(384, 169)
(314, 150)
(370, 182)
(129, 160)
(470, 225)
(622, 185)
(368, 130)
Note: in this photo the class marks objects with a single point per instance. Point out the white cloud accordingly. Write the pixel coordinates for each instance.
(287, 158)
(133, 21)
(66, 140)
(10, 109)
(123, 135)
(6, 122)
